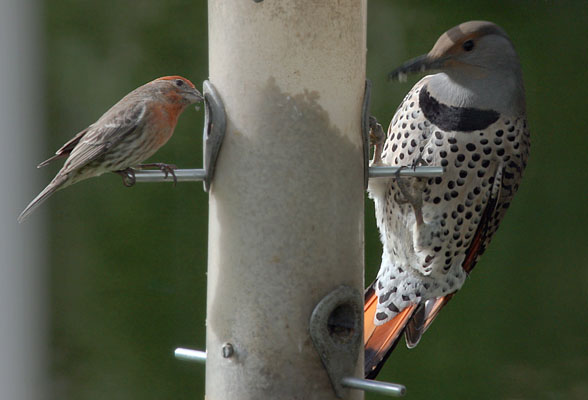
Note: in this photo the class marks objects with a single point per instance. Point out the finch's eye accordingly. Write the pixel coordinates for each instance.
(468, 45)
(179, 82)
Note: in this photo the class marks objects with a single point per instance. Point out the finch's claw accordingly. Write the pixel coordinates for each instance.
(167, 169)
(128, 176)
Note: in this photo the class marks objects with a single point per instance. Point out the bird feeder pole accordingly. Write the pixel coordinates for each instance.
(287, 200)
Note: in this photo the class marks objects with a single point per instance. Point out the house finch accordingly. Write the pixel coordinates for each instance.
(469, 118)
(127, 134)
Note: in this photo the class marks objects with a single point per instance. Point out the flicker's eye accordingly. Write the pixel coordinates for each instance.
(468, 45)
(179, 82)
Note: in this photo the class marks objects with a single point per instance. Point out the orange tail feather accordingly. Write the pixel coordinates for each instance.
(380, 340)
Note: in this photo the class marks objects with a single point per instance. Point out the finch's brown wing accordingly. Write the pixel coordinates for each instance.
(66, 149)
(106, 133)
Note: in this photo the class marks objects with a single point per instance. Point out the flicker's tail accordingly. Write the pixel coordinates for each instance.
(413, 321)
(57, 183)
(381, 340)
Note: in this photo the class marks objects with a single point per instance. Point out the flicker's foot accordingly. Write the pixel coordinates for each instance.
(418, 162)
(128, 176)
(377, 139)
(167, 169)
(411, 190)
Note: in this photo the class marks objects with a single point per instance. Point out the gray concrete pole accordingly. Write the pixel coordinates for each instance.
(287, 203)
(23, 296)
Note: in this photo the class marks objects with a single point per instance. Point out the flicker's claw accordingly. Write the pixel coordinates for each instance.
(377, 139)
(377, 135)
(411, 194)
(167, 169)
(404, 196)
(128, 176)
(418, 162)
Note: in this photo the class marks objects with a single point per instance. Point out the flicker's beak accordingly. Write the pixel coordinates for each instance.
(419, 64)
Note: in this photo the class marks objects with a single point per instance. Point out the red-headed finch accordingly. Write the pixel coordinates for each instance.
(127, 134)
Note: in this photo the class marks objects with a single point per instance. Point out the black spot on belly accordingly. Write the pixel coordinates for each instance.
(451, 118)
(381, 316)
(393, 308)
(383, 298)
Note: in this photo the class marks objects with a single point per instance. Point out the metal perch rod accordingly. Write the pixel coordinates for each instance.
(182, 175)
(197, 175)
(190, 355)
(385, 388)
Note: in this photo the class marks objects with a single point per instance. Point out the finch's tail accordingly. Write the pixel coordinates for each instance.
(381, 340)
(56, 184)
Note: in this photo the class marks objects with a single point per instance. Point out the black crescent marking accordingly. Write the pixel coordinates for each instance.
(451, 118)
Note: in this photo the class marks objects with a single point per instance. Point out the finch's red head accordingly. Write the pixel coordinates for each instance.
(177, 78)
(177, 89)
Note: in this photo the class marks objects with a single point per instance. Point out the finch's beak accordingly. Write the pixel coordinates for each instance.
(194, 96)
(419, 64)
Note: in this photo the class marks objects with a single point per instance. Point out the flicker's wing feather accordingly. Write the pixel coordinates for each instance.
(433, 307)
(414, 321)
(369, 310)
(380, 341)
(103, 135)
(479, 241)
(416, 326)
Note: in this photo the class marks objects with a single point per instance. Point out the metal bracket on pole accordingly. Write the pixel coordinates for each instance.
(215, 126)
(365, 130)
(336, 331)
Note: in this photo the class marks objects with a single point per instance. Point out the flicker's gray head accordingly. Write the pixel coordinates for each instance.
(479, 66)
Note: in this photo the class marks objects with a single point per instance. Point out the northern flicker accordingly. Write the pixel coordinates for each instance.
(470, 119)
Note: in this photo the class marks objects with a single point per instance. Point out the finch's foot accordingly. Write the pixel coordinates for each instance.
(167, 169)
(411, 190)
(128, 176)
(377, 139)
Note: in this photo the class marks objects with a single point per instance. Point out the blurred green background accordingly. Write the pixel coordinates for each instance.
(128, 266)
